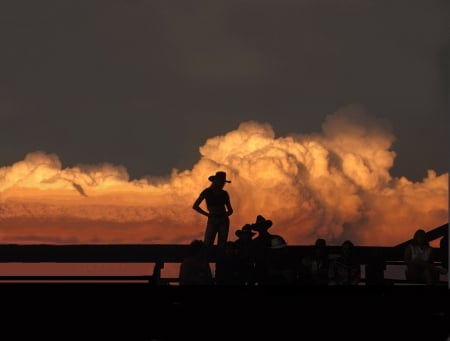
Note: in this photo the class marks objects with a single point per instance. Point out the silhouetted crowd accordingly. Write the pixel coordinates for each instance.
(258, 257)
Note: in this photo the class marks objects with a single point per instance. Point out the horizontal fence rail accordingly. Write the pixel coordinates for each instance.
(151, 253)
(374, 258)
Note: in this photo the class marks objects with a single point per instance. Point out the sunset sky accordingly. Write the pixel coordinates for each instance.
(329, 117)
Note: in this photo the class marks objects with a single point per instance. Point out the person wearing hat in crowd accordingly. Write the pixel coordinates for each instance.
(262, 240)
(263, 246)
(245, 235)
(246, 258)
(218, 209)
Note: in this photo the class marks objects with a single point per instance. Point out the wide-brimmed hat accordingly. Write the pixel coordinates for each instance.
(245, 230)
(220, 176)
(261, 223)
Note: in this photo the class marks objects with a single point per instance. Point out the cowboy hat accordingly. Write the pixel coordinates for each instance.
(246, 230)
(261, 223)
(220, 176)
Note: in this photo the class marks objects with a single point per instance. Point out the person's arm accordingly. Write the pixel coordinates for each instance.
(157, 271)
(197, 203)
(228, 206)
(183, 274)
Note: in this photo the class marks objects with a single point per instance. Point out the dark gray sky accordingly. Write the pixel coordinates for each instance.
(145, 83)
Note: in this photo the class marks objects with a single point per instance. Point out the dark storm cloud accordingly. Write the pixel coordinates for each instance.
(145, 83)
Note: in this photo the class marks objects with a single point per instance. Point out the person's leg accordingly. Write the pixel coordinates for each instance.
(210, 232)
(223, 231)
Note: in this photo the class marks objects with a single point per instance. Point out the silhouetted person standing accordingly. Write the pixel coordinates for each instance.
(219, 209)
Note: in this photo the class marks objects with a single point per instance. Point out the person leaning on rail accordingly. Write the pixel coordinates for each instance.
(418, 258)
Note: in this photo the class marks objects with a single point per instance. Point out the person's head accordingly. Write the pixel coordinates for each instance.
(219, 179)
(320, 243)
(245, 233)
(420, 237)
(320, 246)
(261, 224)
(347, 248)
(197, 247)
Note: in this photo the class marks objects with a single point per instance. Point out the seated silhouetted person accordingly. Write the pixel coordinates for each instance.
(244, 244)
(314, 268)
(418, 260)
(261, 245)
(280, 269)
(346, 269)
(263, 240)
(195, 268)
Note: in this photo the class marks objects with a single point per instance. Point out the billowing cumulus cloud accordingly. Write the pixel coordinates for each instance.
(335, 184)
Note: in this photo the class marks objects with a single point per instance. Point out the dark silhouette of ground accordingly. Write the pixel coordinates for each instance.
(142, 312)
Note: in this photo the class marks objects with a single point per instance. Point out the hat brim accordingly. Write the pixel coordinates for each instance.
(240, 233)
(213, 178)
(262, 225)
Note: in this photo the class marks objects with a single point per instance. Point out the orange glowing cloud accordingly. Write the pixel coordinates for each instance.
(334, 185)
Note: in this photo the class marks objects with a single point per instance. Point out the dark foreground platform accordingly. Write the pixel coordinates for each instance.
(143, 312)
